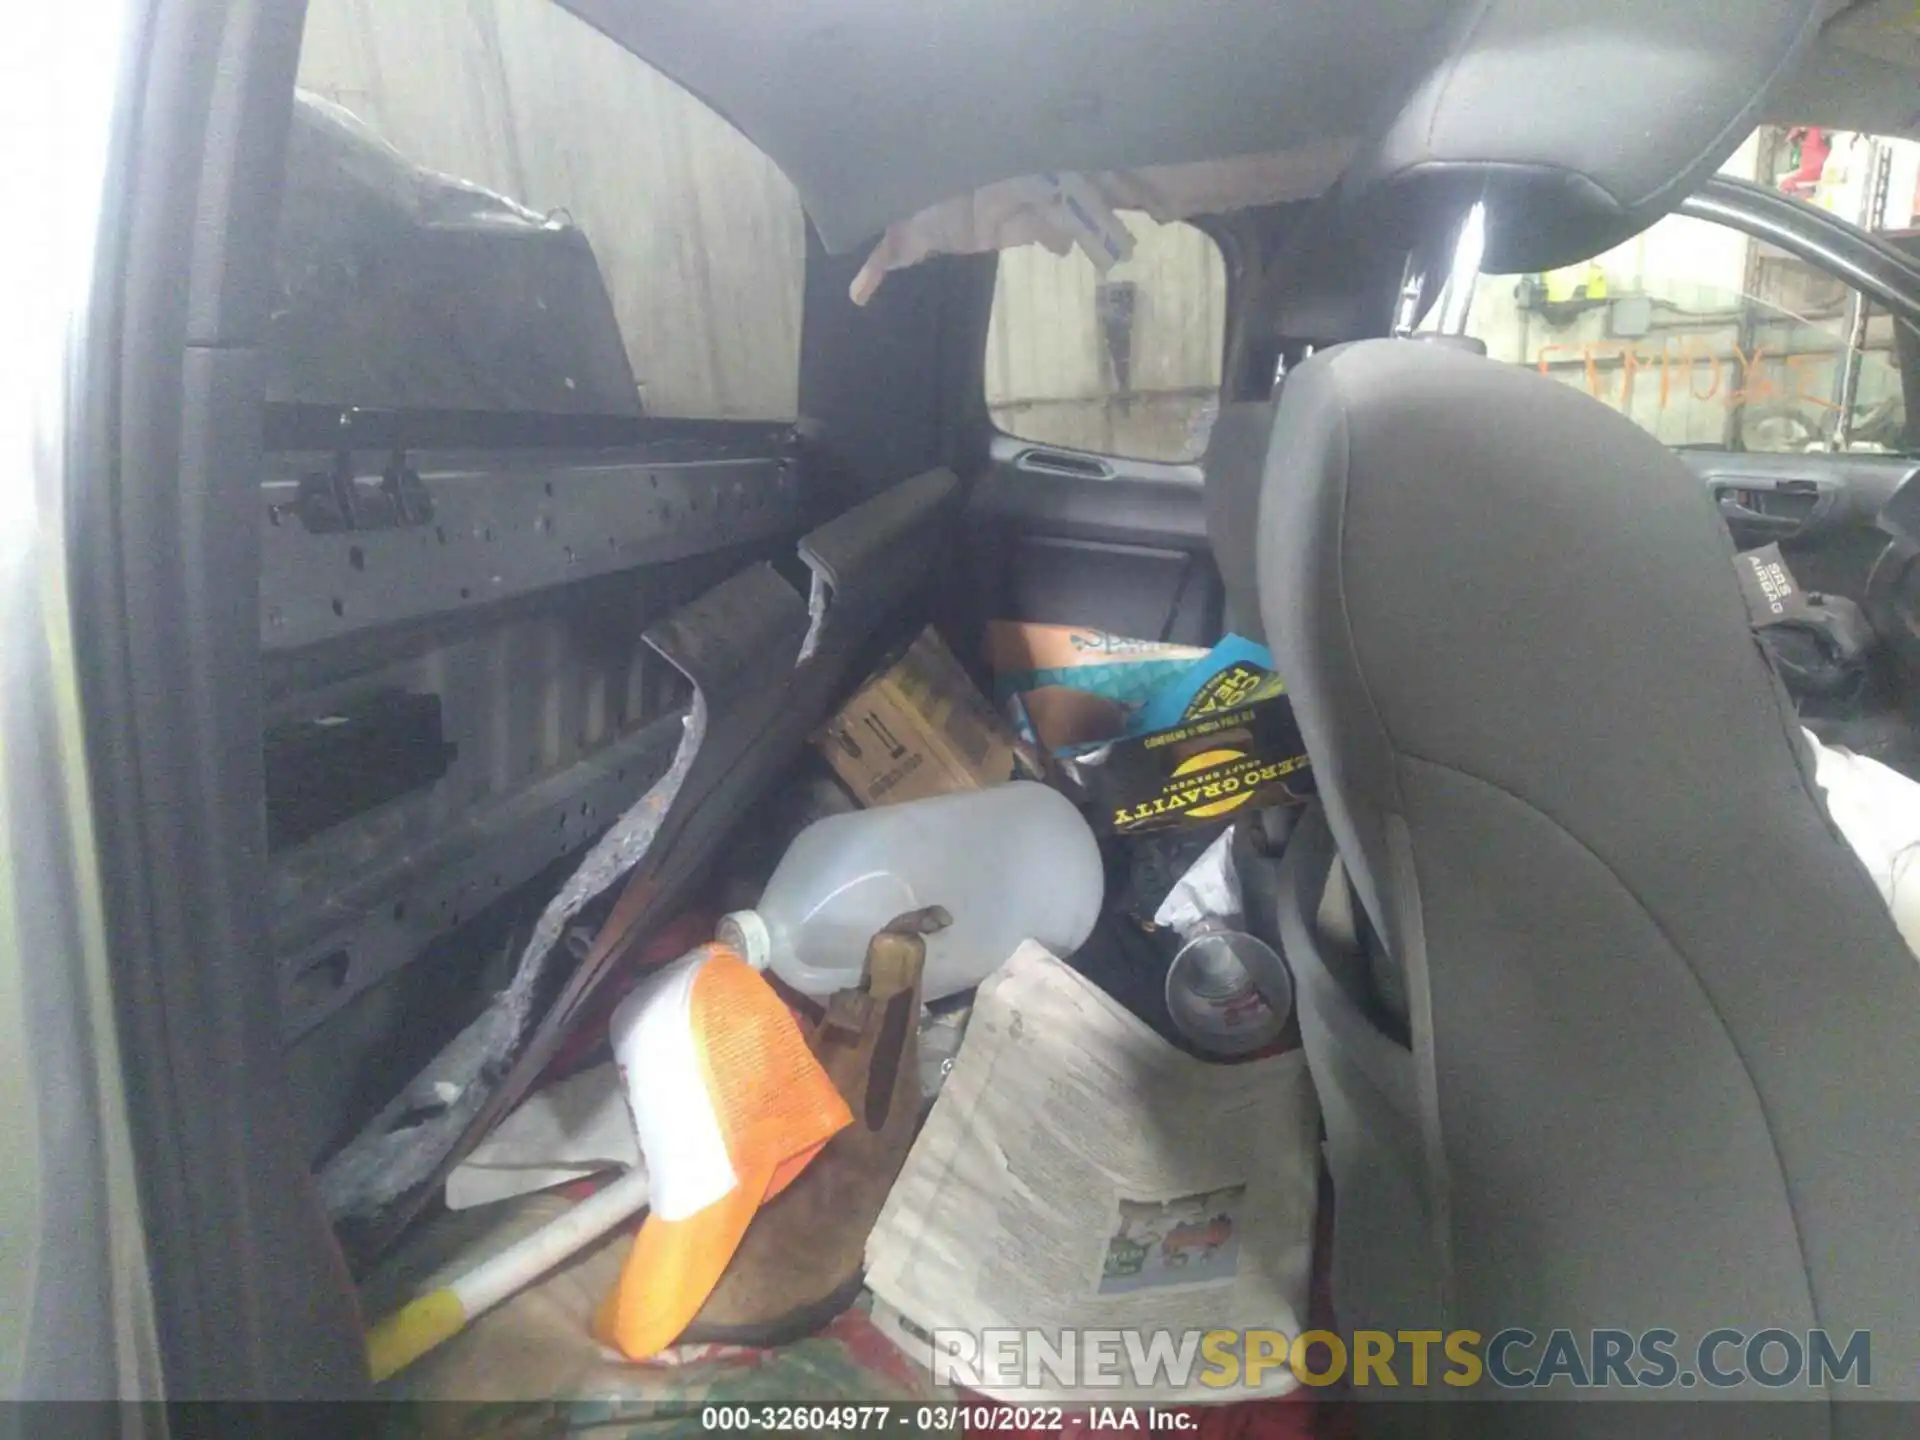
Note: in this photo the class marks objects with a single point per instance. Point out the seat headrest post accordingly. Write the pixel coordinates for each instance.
(1406, 307)
(1469, 249)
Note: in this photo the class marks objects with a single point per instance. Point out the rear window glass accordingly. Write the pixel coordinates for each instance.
(699, 238)
(1126, 363)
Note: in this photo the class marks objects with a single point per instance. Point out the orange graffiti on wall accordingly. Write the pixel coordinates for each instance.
(1682, 369)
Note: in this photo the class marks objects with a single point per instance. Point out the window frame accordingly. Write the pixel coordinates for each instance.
(1864, 262)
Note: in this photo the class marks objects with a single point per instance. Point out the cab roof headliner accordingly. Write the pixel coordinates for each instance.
(876, 109)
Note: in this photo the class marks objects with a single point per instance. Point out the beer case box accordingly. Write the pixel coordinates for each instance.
(1069, 685)
(1024, 655)
(917, 729)
(1199, 772)
(1220, 738)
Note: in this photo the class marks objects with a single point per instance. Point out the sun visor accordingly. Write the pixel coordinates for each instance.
(1064, 209)
(1578, 124)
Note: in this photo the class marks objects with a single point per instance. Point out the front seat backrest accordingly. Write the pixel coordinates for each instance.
(1665, 1036)
(1233, 467)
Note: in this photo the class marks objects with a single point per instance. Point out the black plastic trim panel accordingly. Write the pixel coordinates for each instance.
(251, 1298)
(343, 938)
(1139, 502)
(330, 427)
(504, 525)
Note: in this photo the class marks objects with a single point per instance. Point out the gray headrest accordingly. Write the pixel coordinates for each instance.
(1579, 123)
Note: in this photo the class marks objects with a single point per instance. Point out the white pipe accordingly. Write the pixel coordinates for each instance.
(418, 1326)
(492, 1281)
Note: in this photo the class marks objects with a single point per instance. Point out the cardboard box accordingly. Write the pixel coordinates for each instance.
(919, 728)
(1067, 685)
(1025, 655)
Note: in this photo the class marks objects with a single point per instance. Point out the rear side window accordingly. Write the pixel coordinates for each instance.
(1124, 364)
(699, 238)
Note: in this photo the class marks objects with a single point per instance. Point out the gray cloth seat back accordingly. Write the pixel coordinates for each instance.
(1233, 467)
(1578, 125)
(1664, 1067)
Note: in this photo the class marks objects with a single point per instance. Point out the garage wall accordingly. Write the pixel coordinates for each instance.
(1050, 373)
(1659, 327)
(700, 237)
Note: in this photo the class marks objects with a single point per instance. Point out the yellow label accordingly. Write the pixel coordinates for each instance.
(1206, 761)
(1211, 783)
(412, 1330)
(1236, 685)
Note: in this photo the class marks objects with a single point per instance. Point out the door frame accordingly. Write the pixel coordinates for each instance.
(1877, 269)
(1881, 271)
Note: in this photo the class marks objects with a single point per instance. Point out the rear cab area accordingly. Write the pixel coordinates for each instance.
(558, 593)
(537, 472)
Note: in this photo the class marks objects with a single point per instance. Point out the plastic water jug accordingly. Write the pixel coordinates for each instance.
(1012, 863)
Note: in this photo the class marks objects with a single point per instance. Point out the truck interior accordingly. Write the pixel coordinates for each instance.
(453, 618)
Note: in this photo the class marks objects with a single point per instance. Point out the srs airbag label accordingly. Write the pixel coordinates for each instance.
(1772, 594)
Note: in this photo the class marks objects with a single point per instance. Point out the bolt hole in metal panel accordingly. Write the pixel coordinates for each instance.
(551, 735)
(504, 525)
(556, 713)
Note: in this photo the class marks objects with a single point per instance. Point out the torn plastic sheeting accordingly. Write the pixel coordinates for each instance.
(720, 642)
(345, 147)
(390, 1157)
(566, 1131)
(819, 592)
(400, 287)
(1067, 209)
(1209, 890)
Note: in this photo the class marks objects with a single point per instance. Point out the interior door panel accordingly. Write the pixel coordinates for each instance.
(1066, 537)
(1820, 508)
